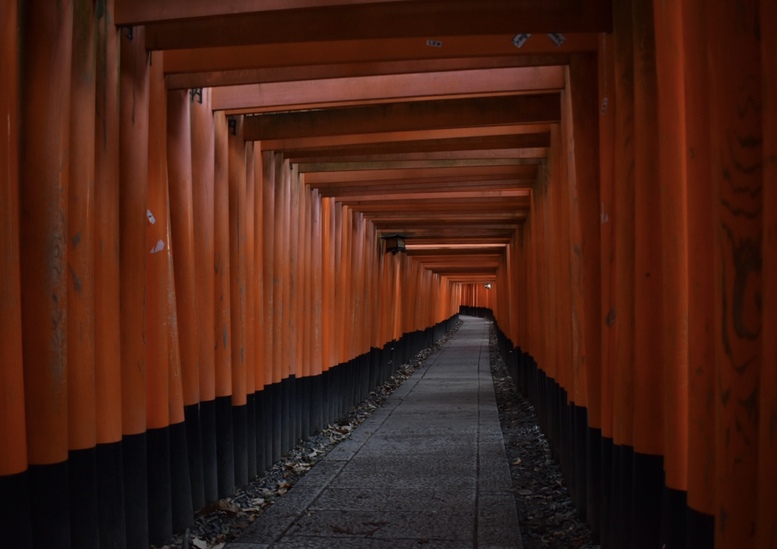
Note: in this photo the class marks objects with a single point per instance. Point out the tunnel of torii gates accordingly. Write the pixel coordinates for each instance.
(194, 202)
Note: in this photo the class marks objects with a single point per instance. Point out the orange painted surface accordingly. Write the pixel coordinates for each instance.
(608, 106)
(327, 284)
(585, 226)
(237, 258)
(179, 159)
(158, 260)
(623, 231)
(317, 355)
(13, 436)
(222, 296)
(268, 254)
(43, 190)
(251, 279)
(701, 289)
(80, 235)
(767, 443)
(203, 158)
(648, 216)
(736, 130)
(278, 281)
(107, 322)
(133, 166)
(670, 56)
(258, 272)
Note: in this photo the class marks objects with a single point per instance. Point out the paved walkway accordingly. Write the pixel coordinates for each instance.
(427, 469)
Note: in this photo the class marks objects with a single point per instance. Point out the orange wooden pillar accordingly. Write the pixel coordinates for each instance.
(158, 318)
(237, 293)
(584, 204)
(280, 318)
(179, 160)
(14, 495)
(327, 303)
(766, 522)
(701, 289)
(250, 315)
(80, 289)
(670, 90)
(293, 300)
(203, 151)
(735, 91)
(607, 105)
(133, 165)
(623, 279)
(225, 454)
(647, 480)
(107, 284)
(45, 34)
(272, 450)
(259, 321)
(317, 356)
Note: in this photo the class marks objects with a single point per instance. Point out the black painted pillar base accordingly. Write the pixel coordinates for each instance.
(50, 505)
(267, 424)
(15, 524)
(225, 449)
(194, 455)
(84, 504)
(259, 439)
(700, 530)
(276, 421)
(285, 417)
(135, 490)
(210, 483)
(240, 441)
(180, 480)
(673, 516)
(110, 494)
(593, 475)
(647, 492)
(160, 513)
(251, 434)
(607, 491)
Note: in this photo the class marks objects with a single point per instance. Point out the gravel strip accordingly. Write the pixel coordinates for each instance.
(546, 515)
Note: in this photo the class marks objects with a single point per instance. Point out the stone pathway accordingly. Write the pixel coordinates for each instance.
(428, 469)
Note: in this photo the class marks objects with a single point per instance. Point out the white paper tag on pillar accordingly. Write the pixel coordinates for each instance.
(434, 43)
(604, 105)
(160, 245)
(150, 216)
(557, 38)
(520, 39)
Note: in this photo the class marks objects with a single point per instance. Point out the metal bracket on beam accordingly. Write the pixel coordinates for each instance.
(129, 32)
(196, 92)
(232, 125)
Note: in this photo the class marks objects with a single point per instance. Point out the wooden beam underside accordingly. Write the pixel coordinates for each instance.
(421, 115)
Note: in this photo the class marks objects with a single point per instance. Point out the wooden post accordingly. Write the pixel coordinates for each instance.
(82, 408)
(767, 442)
(268, 283)
(14, 494)
(250, 315)
(225, 452)
(623, 278)
(735, 91)
(237, 293)
(701, 289)
(179, 153)
(203, 158)
(670, 61)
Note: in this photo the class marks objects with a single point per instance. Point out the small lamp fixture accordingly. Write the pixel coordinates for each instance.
(394, 243)
(488, 285)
